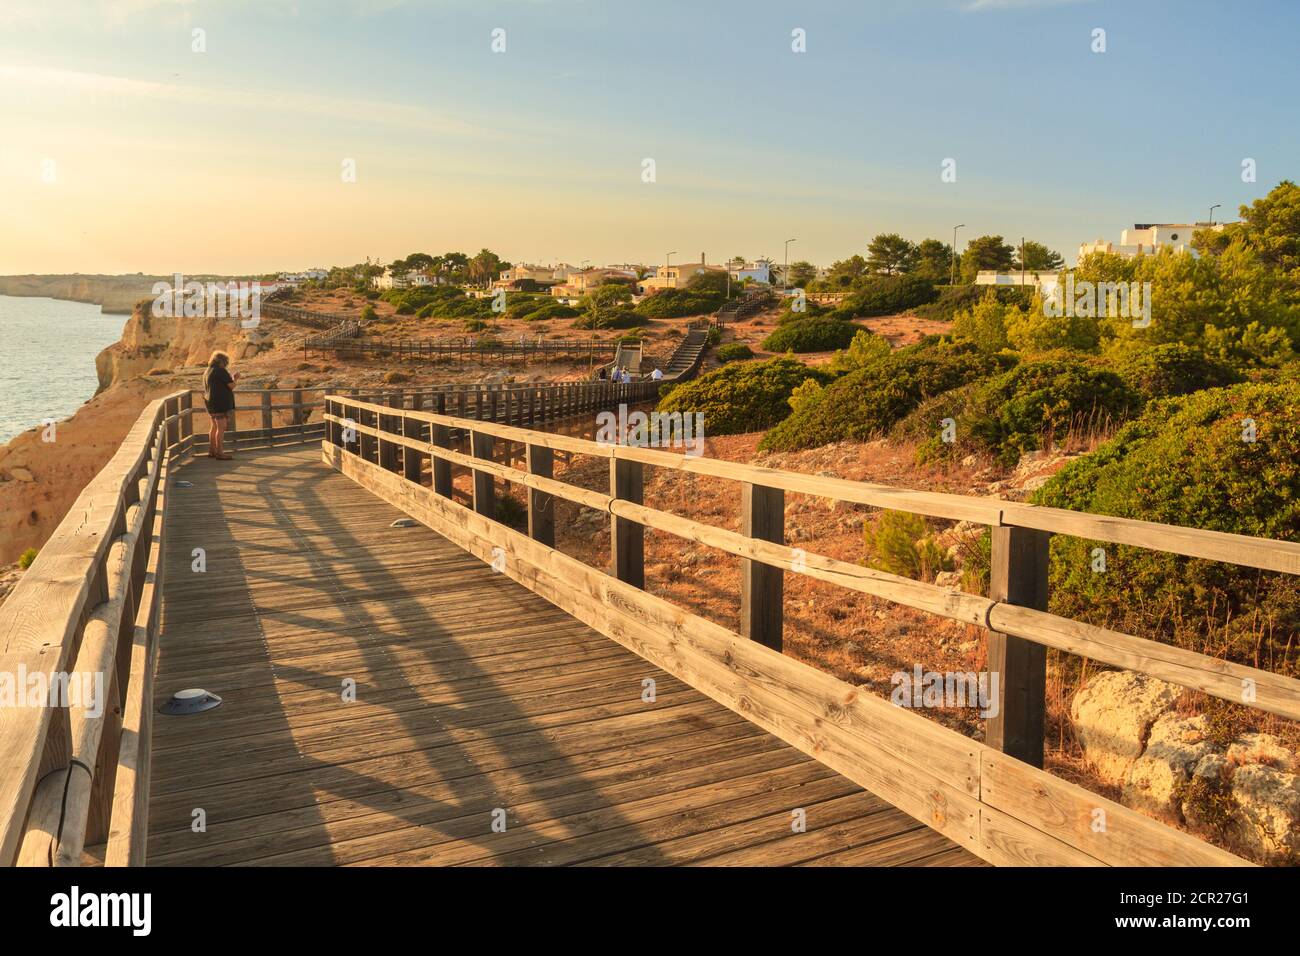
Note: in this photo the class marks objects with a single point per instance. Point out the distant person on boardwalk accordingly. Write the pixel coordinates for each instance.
(656, 375)
(219, 399)
(603, 374)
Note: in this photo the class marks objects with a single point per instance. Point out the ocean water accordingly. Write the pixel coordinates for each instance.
(47, 358)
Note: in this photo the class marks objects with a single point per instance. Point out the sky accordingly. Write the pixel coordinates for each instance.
(130, 142)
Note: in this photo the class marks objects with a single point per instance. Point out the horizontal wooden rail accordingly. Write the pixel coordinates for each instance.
(78, 614)
(1262, 553)
(1001, 807)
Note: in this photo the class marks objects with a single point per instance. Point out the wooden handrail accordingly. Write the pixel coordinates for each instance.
(76, 612)
(1244, 550)
(1027, 821)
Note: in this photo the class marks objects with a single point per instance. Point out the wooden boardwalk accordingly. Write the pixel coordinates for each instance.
(473, 695)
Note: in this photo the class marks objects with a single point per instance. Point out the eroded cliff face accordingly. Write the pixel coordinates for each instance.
(113, 294)
(151, 342)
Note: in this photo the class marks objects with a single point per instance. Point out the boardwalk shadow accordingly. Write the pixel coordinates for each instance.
(471, 694)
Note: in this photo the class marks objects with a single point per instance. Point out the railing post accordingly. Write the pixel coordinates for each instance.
(762, 586)
(387, 449)
(627, 538)
(481, 444)
(439, 436)
(413, 429)
(366, 440)
(541, 506)
(172, 408)
(1018, 575)
(266, 417)
(187, 421)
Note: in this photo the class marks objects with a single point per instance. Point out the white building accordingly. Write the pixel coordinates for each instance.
(760, 270)
(1044, 281)
(304, 276)
(1146, 238)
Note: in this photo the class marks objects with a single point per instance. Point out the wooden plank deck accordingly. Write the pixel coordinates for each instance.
(472, 695)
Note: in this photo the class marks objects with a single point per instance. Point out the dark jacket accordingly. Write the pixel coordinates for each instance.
(218, 390)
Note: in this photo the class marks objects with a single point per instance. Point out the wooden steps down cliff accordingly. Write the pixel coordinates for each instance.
(473, 695)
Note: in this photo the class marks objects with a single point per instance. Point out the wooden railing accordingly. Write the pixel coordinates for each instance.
(276, 416)
(460, 347)
(75, 772)
(989, 797)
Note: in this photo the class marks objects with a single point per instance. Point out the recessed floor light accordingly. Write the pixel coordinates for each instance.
(194, 700)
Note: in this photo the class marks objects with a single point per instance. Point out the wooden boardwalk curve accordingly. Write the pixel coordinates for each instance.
(472, 694)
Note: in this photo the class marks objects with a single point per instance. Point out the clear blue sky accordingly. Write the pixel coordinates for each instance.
(230, 160)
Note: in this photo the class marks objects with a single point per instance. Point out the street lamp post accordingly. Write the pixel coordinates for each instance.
(1212, 208)
(785, 273)
(953, 278)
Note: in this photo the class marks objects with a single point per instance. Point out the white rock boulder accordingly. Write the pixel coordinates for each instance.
(1113, 715)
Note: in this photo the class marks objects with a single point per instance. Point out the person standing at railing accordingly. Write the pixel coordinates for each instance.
(656, 375)
(219, 399)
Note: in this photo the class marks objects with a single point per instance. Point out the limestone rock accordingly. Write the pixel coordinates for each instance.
(1266, 825)
(1156, 780)
(1262, 749)
(948, 579)
(1112, 717)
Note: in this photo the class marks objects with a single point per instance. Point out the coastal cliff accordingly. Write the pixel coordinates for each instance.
(116, 295)
(151, 342)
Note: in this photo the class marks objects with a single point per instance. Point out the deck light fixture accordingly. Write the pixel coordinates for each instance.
(194, 700)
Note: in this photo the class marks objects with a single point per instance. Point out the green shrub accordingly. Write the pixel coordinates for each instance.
(1186, 462)
(368, 313)
(886, 295)
(741, 396)
(1033, 330)
(1037, 403)
(953, 299)
(866, 403)
(734, 351)
(866, 347)
(1173, 369)
(702, 295)
(439, 302)
(810, 335)
(984, 324)
(556, 310)
(809, 391)
(26, 558)
(609, 317)
(901, 543)
(810, 310)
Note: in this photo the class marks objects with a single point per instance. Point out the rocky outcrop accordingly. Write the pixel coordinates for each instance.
(1113, 715)
(1245, 794)
(149, 342)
